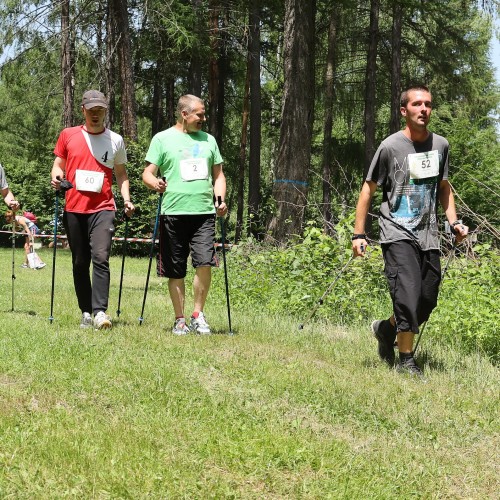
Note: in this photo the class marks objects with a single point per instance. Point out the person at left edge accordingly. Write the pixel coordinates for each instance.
(86, 156)
(7, 195)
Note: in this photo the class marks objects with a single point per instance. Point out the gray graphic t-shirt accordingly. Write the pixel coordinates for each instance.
(3, 179)
(409, 173)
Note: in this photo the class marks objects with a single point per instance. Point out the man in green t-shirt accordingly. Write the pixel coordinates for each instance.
(190, 161)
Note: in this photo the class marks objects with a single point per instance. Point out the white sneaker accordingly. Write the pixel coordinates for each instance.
(86, 321)
(199, 325)
(102, 321)
(180, 327)
(41, 265)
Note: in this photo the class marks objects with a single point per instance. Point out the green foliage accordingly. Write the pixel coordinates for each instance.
(292, 280)
(468, 313)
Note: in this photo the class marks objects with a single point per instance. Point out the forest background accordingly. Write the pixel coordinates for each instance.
(298, 96)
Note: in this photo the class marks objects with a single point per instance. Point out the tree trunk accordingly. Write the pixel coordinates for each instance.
(370, 84)
(217, 69)
(242, 162)
(294, 152)
(110, 69)
(213, 68)
(397, 19)
(328, 119)
(170, 101)
(157, 118)
(253, 65)
(125, 61)
(195, 64)
(66, 66)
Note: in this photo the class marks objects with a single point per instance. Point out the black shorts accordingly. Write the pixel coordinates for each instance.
(413, 276)
(181, 235)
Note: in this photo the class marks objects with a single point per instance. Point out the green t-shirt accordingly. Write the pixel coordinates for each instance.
(186, 161)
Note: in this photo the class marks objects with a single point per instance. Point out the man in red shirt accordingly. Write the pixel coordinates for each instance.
(86, 156)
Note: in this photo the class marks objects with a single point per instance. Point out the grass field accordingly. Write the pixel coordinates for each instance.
(271, 412)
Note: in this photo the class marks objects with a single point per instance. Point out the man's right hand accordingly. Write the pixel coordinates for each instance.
(359, 247)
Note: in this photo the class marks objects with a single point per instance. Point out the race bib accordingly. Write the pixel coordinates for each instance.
(86, 180)
(424, 165)
(194, 169)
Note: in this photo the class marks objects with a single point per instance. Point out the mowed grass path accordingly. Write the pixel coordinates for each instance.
(271, 412)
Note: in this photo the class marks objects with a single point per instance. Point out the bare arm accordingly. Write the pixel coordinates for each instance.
(151, 181)
(9, 199)
(447, 201)
(219, 188)
(22, 222)
(124, 187)
(365, 197)
(58, 170)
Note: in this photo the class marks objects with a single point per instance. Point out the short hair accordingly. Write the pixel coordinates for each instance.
(405, 94)
(186, 103)
(9, 214)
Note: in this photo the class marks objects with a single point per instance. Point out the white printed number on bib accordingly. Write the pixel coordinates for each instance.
(87, 180)
(424, 165)
(194, 169)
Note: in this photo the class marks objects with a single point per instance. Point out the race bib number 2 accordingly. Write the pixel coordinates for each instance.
(194, 169)
(424, 165)
(87, 180)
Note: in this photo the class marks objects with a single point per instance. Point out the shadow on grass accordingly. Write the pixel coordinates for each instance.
(425, 360)
(21, 311)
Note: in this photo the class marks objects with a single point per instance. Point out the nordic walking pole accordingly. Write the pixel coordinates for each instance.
(13, 254)
(123, 265)
(151, 251)
(56, 216)
(443, 273)
(223, 240)
(65, 185)
(327, 291)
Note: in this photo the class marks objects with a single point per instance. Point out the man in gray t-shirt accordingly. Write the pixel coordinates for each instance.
(7, 195)
(411, 167)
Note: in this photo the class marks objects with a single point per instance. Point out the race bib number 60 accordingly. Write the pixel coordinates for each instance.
(424, 165)
(87, 180)
(194, 169)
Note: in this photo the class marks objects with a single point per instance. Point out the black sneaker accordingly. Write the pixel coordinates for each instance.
(385, 334)
(410, 367)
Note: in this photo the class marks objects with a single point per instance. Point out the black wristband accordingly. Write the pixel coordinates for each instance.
(358, 237)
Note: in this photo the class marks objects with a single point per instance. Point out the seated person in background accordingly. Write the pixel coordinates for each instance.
(30, 229)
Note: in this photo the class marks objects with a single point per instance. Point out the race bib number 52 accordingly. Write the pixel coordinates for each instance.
(424, 165)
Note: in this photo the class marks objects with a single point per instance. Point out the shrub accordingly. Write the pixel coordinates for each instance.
(291, 281)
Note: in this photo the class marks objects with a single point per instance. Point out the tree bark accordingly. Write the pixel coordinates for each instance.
(195, 64)
(370, 84)
(67, 66)
(253, 65)
(328, 118)
(290, 187)
(397, 19)
(213, 68)
(110, 65)
(157, 118)
(125, 68)
(242, 162)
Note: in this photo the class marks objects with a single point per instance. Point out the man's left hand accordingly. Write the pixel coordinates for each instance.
(221, 208)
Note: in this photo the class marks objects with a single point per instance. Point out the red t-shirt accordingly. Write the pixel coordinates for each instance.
(86, 152)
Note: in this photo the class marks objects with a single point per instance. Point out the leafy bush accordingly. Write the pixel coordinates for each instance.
(291, 281)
